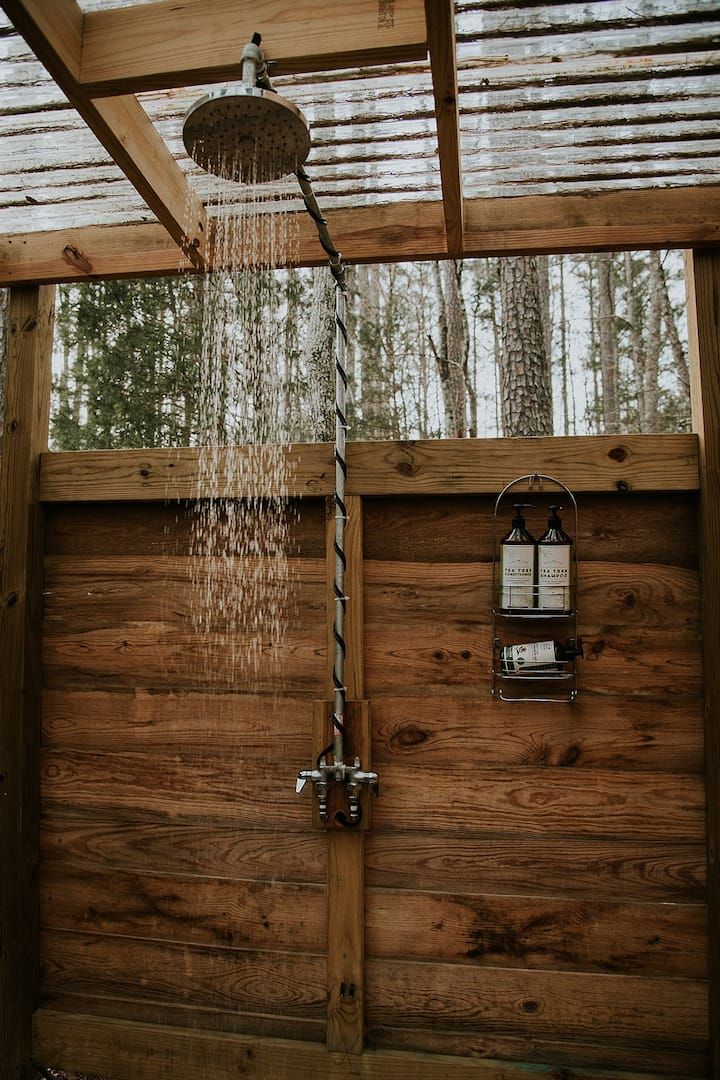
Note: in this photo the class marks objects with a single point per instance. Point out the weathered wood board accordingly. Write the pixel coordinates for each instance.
(535, 877)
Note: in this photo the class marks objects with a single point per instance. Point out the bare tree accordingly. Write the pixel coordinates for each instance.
(318, 353)
(525, 379)
(452, 351)
(608, 342)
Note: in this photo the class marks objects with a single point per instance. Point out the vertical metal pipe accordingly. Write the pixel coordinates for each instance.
(340, 520)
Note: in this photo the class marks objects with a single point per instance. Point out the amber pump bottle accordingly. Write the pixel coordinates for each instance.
(554, 561)
(517, 564)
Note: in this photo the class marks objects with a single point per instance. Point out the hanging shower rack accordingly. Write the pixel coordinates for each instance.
(559, 685)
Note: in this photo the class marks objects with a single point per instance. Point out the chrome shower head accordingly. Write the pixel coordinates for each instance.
(247, 133)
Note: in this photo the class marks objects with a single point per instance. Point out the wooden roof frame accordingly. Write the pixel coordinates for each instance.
(101, 59)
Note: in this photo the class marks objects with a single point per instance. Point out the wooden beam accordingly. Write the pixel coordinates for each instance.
(405, 231)
(443, 63)
(129, 1050)
(171, 43)
(703, 281)
(346, 847)
(604, 463)
(611, 221)
(27, 407)
(54, 33)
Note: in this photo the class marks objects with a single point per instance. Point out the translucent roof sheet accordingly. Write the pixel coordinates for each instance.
(557, 97)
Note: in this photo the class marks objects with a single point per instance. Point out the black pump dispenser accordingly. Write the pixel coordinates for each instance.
(518, 564)
(553, 565)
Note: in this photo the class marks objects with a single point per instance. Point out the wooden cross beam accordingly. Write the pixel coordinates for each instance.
(55, 33)
(441, 40)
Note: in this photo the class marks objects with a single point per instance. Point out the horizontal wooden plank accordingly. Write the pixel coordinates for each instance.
(291, 984)
(572, 1056)
(146, 528)
(608, 594)
(200, 911)
(457, 528)
(461, 466)
(180, 787)
(597, 803)
(191, 787)
(604, 221)
(144, 720)
(647, 870)
(91, 842)
(142, 1051)
(157, 656)
(624, 1008)
(599, 731)
(188, 1016)
(538, 932)
(126, 50)
(448, 657)
(87, 593)
(653, 218)
(86, 476)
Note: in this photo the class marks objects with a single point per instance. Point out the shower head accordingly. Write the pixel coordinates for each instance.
(246, 134)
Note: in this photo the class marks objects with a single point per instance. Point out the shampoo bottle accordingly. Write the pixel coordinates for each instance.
(517, 564)
(536, 657)
(553, 565)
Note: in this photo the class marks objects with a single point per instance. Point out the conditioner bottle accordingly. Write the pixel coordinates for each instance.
(553, 566)
(517, 564)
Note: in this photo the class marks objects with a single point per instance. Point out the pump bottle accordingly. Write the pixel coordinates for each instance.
(553, 565)
(517, 564)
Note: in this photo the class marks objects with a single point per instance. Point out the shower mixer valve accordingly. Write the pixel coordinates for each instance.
(353, 778)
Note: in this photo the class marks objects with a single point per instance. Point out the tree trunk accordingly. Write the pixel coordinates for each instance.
(525, 381)
(451, 353)
(651, 390)
(607, 339)
(319, 358)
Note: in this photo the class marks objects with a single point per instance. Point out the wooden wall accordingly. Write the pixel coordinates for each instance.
(535, 874)
(179, 876)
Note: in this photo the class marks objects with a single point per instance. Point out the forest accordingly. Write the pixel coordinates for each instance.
(560, 344)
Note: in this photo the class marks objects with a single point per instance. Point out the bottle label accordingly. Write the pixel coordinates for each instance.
(518, 565)
(532, 654)
(554, 577)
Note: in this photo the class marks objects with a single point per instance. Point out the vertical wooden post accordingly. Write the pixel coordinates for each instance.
(702, 270)
(346, 847)
(25, 435)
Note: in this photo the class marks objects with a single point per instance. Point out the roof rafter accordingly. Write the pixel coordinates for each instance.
(658, 218)
(180, 42)
(441, 40)
(54, 33)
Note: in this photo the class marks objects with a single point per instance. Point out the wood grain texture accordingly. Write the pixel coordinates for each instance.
(155, 655)
(703, 279)
(168, 973)
(141, 1051)
(346, 847)
(165, 529)
(92, 843)
(538, 933)
(627, 1009)
(542, 801)
(608, 731)
(563, 1058)
(425, 467)
(194, 910)
(246, 724)
(447, 529)
(650, 871)
(183, 787)
(83, 593)
(121, 124)
(182, 43)
(655, 218)
(26, 417)
(443, 65)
